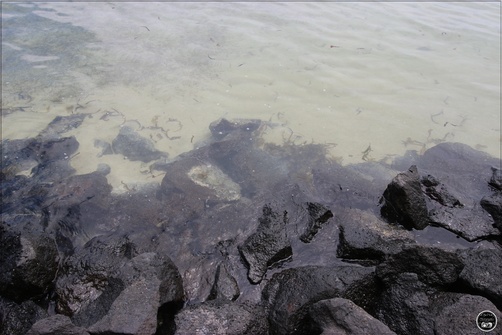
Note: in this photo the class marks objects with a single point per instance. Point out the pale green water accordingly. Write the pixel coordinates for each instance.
(393, 76)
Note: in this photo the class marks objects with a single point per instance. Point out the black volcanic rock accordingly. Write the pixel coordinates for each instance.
(56, 325)
(482, 273)
(433, 266)
(290, 293)
(455, 313)
(108, 281)
(268, 245)
(17, 319)
(201, 254)
(405, 306)
(218, 317)
(318, 215)
(28, 262)
(366, 238)
(493, 205)
(404, 202)
(342, 316)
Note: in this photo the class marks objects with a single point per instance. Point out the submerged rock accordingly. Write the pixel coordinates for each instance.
(60, 125)
(213, 178)
(135, 147)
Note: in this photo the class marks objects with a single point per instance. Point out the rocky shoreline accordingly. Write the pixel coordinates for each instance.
(243, 237)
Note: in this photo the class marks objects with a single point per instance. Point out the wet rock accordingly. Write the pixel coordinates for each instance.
(472, 223)
(482, 273)
(450, 205)
(222, 318)
(318, 215)
(135, 147)
(17, 319)
(99, 283)
(456, 313)
(404, 202)
(56, 325)
(290, 293)
(66, 204)
(433, 266)
(496, 179)
(340, 316)
(439, 193)
(225, 286)
(367, 239)
(150, 281)
(89, 282)
(28, 263)
(493, 205)
(405, 306)
(268, 245)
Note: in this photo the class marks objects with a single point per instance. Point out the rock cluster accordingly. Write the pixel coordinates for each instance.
(243, 237)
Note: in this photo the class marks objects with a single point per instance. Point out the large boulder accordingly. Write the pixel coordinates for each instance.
(405, 306)
(456, 313)
(98, 285)
(432, 265)
(404, 202)
(29, 260)
(482, 273)
(416, 200)
(17, 319)
(150, 282)
(289, 294)
(366, 238)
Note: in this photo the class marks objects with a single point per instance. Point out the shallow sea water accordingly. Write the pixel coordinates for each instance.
(369, 80)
